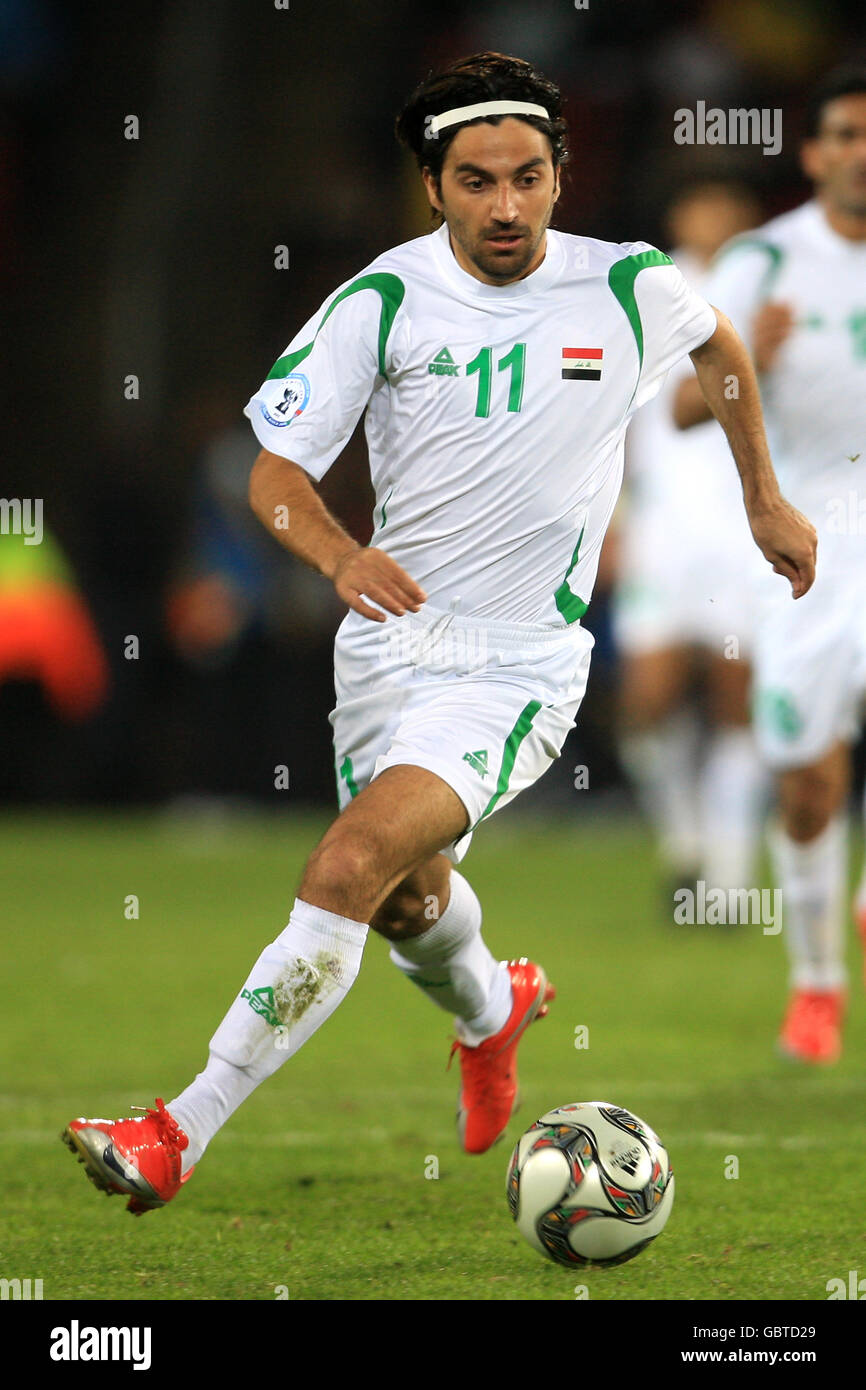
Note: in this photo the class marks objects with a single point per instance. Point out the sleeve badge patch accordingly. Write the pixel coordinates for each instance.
(288, 406)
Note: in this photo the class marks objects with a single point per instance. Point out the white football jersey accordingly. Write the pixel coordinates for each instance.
(689, 474)
(495, 415)
(814, 396)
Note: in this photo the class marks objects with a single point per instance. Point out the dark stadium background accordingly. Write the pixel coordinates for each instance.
(263, 127)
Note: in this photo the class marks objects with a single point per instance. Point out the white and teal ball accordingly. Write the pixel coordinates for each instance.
(590, 1184)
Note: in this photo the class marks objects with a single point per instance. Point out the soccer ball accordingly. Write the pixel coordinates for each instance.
(590, 1184)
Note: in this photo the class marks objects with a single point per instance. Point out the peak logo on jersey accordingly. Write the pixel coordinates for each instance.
(477, 761)
(296, 393)
(582, 364)
(443, 364)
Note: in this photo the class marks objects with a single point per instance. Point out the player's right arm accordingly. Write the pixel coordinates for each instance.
(303, 415)
(284, 499)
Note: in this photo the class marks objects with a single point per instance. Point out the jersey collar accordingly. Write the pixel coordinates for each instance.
(543, 276)
(824, 234)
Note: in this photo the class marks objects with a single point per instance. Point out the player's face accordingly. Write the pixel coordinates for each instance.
(703, 222)
(836, 158)
(498, 188)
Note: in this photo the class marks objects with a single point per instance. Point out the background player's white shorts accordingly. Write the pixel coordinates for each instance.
(809, 665)
(485, 706)
(684, 581)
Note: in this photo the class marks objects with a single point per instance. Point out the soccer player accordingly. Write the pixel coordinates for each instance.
(796, 289)
(498, 363)
(680, 610)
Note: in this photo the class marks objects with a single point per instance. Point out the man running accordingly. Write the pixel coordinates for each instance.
(498, 363)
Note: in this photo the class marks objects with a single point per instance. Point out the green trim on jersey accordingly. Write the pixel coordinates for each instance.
(512, 744)
(775, 253)
(384, 517)
(391, 290)
(621, 278)
(570, 606)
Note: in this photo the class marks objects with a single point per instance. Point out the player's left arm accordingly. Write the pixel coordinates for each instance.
(729, 386)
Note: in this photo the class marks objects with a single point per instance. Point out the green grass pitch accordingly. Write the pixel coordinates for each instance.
(317, 1187)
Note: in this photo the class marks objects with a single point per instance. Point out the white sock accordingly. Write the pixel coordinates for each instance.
(451, 965)
(662, 763)
(733, 788)
(296, 983)
(813, 880)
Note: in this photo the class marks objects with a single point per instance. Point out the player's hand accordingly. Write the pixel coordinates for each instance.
(789, 541)
(770, 327)
(371, 572)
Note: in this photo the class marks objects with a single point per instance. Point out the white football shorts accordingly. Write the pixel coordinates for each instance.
(484, 705)
(809, 665)
(684, 583)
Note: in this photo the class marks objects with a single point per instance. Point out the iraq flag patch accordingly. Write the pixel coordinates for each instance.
(582, 364)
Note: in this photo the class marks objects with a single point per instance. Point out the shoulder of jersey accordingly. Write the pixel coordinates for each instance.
(775, 235)
(590, 256)
(402, 259)
(397, 260)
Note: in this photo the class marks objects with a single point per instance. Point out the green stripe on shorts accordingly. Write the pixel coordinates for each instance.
(509, 754)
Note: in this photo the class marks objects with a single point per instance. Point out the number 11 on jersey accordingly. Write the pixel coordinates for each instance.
(483, 365)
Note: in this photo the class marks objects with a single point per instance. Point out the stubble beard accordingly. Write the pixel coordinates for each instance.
(504, 267)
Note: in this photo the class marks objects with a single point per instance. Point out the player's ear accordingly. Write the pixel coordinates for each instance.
(810, 160)
(431, 185)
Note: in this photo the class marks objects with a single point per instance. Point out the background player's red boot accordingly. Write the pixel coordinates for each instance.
(860, 919)
(488, 1094)
(138, 1158)
(812, 1028)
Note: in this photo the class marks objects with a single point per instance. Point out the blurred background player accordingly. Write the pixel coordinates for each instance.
(796, 290)
(54, 674)
(681, 621)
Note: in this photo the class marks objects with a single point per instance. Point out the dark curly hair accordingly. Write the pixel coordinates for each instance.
(846, 81)
(481, 77)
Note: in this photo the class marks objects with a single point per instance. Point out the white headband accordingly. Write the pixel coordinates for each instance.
(482, 108)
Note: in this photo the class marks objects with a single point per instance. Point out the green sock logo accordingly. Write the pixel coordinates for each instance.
(261, 1001)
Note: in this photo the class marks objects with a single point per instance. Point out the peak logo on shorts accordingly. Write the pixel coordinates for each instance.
(477, 761)
(296, 393)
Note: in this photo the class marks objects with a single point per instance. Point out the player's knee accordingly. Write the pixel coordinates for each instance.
(643, 707)
(810, 798)
(340, 871)
(403, 914)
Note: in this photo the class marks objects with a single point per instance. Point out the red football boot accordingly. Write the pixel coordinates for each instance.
(138, 1158)
(488, 1094)
(812, 1028)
